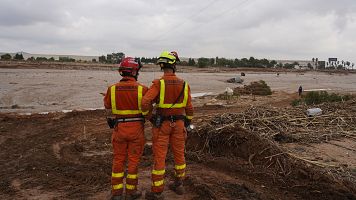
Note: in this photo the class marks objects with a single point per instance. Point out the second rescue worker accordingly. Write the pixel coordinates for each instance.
(174, 110)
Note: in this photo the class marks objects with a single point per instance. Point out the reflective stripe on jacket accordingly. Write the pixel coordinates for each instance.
(124, 98)
(125, 112)
(165, 92)
(162, 95)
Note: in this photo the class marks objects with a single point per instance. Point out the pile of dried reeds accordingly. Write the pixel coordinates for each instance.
(251, 135)
(291, 124)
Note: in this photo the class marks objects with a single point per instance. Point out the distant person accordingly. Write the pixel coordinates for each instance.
(174, 111)
(300, 91)
(128, 140)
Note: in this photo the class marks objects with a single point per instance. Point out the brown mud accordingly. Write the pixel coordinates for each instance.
(68, 156)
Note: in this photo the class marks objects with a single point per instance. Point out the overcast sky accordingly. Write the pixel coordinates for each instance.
(273, 29)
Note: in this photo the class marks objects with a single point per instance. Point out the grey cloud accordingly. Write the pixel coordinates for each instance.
(230, 28)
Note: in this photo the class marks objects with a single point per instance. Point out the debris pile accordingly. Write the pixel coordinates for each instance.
(235, 80)
(292, 124)
(255, 88)
(227, 95)
(252, 135)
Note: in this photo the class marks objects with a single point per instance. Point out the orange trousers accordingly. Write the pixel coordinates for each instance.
(172, 133)
(128, 142)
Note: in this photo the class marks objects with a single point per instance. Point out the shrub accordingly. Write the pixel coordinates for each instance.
(6, 57)
(296, 102)
(255, 88)
(18, 56)
(259, 88)
(313, 98)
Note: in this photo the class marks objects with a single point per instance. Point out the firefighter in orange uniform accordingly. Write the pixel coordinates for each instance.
(124, 100)
(174, 111)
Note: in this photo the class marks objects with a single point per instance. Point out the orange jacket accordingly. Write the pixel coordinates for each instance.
(173, 87)
(126, 98)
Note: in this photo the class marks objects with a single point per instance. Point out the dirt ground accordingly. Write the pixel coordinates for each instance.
(68, 155)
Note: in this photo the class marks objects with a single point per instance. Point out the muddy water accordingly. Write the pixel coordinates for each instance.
(43, 90)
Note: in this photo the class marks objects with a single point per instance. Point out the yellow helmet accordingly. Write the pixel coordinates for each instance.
(167, 57)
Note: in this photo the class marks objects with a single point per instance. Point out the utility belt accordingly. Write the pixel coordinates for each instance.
(112, 122)
(157, 120)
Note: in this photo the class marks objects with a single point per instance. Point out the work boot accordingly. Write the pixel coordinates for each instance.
(118, 197)
(154, 196)
(134, 195)
(177, 187)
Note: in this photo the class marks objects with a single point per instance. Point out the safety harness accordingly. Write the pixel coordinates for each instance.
(172, 118)
(162, 92)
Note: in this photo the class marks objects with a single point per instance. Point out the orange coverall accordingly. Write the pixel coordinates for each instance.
(127, 137)
(172, 133)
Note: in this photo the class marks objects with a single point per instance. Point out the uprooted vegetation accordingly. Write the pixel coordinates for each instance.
(292, 124)
(254, 88)
(315, 98)
(251, 138)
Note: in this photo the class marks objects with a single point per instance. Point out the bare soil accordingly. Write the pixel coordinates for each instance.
(68, 156)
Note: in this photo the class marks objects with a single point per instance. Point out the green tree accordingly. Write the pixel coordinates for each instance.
(212, 61)
(109, 58)
(340, 67)
(237, 63)
(6, 57)
(102, 59)
(310, 66)
(191, 62)
(120, 56)
(117, 57)
(41, 59)
(252, 62)
(203, 62)
(224, 62)
(272, 63)
(66, 59)
(264, 62)
(288, 66)
(244, 62)
(18, 56)
(183, 63)
(348, 63)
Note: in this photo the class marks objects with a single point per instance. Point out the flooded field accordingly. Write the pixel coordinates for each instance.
(42, 90)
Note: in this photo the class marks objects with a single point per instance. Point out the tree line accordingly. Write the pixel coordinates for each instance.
(224, 62)
(19, 57)
(115, 58)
